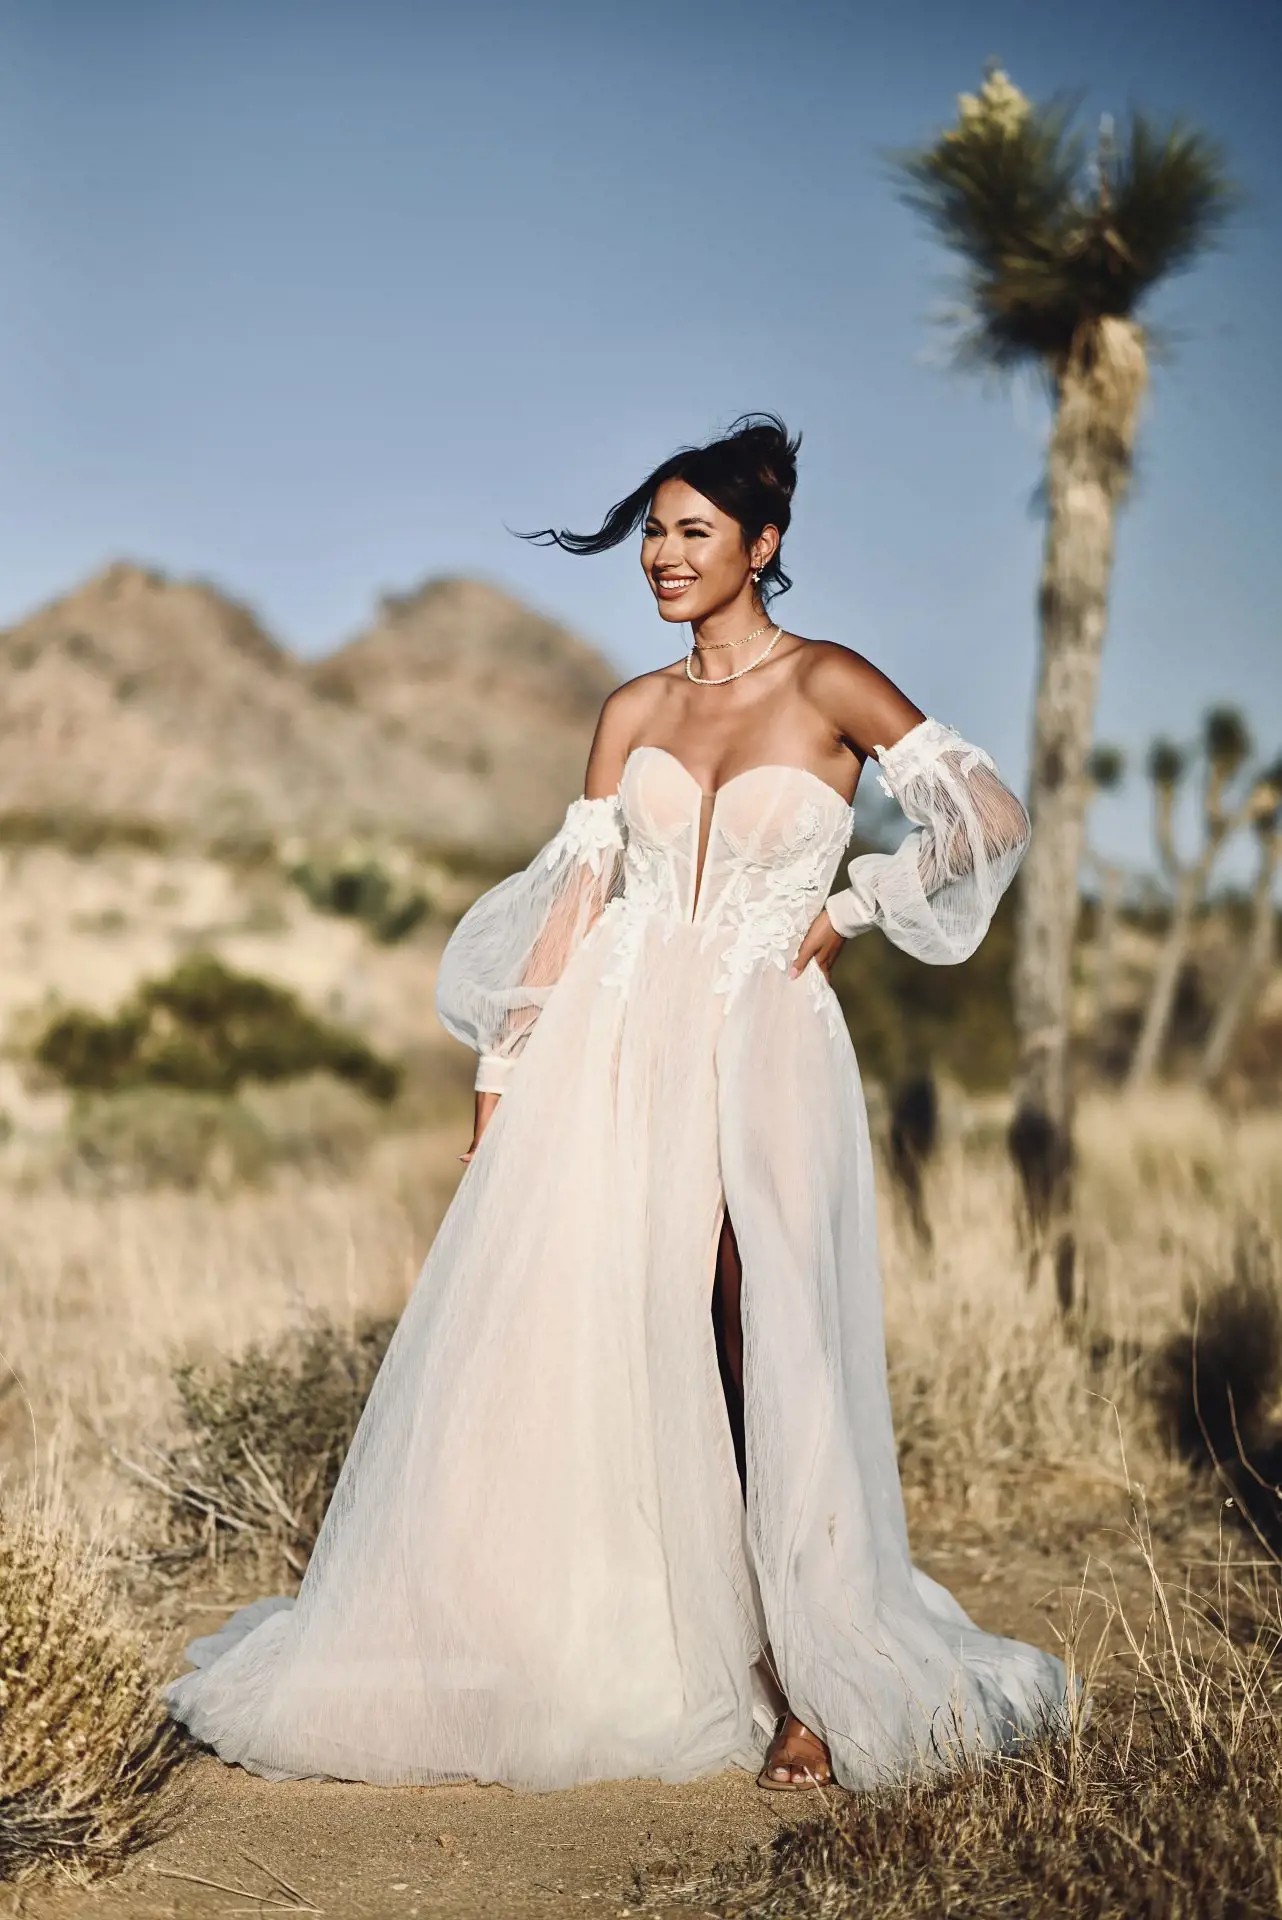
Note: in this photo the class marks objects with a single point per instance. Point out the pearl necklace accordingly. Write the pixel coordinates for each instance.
(698, 680)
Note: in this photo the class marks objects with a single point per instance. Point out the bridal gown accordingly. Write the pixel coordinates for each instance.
(538, 1566)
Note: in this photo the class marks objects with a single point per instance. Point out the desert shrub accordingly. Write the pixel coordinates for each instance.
(361, 888)
(207, 1028)
(246, 848)
(262, 1435)
(85, 1747)
(81, 833)
(149, 1137)
(1106, 1831)
(317, 1125)
(1217, 1382)
(1163, 1804)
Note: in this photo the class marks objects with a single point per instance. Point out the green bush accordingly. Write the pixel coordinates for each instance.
(262, 1436)
(208, 1029)
(362, 889)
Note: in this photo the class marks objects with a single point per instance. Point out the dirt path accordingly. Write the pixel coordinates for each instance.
(441, 1853)
(434, 1852)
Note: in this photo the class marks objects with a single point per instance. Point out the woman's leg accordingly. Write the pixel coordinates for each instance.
(728, 1327)
(796, 1755)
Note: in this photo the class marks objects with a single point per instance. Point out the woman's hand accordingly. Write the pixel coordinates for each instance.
(485, 1107)
(822, 943)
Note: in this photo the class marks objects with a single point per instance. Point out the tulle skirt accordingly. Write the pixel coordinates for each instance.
(538, 1566)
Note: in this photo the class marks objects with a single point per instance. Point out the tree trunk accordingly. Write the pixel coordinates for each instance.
(1253, 970)
(1099, 390)
(1146, 1059)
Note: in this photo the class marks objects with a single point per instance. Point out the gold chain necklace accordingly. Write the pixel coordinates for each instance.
(711, 646)
(699, 681)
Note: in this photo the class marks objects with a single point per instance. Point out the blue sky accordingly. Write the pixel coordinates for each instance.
(311, 299)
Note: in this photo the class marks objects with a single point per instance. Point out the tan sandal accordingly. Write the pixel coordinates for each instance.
(793, 1786)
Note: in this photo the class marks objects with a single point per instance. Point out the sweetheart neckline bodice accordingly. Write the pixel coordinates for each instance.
(766, 766)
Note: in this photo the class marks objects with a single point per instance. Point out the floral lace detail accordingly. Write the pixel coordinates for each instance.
(769, 906)
(649, 892)
(919, 749)
(824, 998)
(592, 828)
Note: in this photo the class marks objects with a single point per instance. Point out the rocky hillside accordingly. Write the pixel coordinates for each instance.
(459, 717)
(472, 679)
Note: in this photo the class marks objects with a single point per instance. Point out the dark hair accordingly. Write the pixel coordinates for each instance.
(750, 472)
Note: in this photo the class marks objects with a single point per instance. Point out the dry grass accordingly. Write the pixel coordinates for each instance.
(264, 1433)
(1003, 1414)
(1166, 1802)
(85, 1749)
(1162, 1802)
(1016, 1433)
(101, 1293)
(994, 1400)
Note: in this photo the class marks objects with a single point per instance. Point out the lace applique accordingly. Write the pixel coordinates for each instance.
(770, 906)
(824, 999)
(591, 829)
(648, 892)
(918, 751)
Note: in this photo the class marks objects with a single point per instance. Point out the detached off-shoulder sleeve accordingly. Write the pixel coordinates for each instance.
(935, 895)
(512, 945)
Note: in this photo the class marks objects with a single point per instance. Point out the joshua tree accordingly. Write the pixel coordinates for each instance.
(1225, 749)
(1264, 808)
(1061, 243)
(1106, 770)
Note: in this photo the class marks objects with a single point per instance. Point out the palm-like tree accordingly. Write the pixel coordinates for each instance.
(1225, 749)
(1061, 241)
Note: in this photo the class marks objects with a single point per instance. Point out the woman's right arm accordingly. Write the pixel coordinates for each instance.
(510, 948)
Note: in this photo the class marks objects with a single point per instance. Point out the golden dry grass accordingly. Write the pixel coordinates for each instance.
(102, 1292)
(85, 1748)
(1015, 1433)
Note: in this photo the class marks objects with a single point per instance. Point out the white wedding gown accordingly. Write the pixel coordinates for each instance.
(537, 1567)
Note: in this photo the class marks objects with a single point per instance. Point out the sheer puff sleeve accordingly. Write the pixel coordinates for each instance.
(935, 895)
(512, 945)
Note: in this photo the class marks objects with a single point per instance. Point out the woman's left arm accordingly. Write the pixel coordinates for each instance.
(935, 895)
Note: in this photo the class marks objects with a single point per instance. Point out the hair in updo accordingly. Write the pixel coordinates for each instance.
(750, 472)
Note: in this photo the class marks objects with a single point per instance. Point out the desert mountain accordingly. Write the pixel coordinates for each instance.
(469, 676)
(459, 717)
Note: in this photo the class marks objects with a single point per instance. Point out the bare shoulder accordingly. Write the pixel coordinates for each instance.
(631, 703)
(624, 715)
(863, 703)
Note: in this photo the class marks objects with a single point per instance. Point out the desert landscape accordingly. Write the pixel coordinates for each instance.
(229, 1127)
(358, 356)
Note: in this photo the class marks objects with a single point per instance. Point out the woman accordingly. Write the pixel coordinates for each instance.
(588, 1528)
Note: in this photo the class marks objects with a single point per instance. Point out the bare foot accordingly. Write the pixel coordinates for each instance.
(796, 1757)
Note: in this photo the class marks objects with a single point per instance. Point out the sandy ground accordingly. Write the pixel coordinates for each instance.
(441, 1853)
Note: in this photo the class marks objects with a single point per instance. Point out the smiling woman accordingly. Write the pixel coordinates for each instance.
(732, 490)
(624, 1498)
